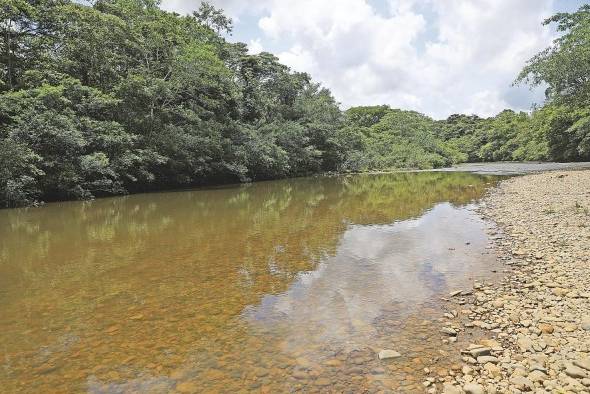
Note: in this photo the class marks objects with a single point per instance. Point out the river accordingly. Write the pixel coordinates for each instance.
(275, 286)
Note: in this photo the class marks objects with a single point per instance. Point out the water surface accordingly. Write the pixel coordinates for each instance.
(515, 167)
(275, 286)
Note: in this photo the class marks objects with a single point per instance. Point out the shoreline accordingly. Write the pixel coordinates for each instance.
(502, 168)
(535, 323)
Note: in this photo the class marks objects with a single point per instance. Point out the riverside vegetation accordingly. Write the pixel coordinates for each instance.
(120, 97)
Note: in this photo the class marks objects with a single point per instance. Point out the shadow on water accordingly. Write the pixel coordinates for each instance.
(273, 286)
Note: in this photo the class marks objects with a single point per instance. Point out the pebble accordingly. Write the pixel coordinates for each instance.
(583, 363)
(575, 372)
(539, 313)
(522, 383)
(473, 388)
(546, 328)
(451, 389)
(449, 331)
(487, 359)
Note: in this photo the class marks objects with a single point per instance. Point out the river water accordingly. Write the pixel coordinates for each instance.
(271, 287)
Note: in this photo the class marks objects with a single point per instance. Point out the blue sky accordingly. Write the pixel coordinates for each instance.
(437, 57)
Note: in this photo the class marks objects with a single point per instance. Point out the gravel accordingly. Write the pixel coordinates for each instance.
(531, 329)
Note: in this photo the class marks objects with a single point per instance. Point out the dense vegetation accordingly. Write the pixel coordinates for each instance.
(122, 96)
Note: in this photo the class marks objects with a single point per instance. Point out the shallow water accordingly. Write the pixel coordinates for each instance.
(272, 287)
(514, 167)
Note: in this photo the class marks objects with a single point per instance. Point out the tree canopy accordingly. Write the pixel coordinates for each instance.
(121, 96)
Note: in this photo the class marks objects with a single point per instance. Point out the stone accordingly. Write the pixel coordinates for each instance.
(481, 351)
(493, 370)
(526, 323)
(575, 372)
(300, 374)
(466, 370)
(387, 354)
(473, 388)
(570, 327)
(448, 388)
(537, 376)
(522, 383)
(487, 359)
(583, 363)
(558, 291)
(585, 324)
(546, 328)
(333, 363)
(498, 303)
(449, 331)
(491, 343)
(524, 343)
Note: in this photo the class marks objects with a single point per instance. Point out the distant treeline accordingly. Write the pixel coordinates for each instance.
(121, 97)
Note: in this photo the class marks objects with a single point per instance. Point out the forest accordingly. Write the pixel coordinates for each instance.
(121, 97)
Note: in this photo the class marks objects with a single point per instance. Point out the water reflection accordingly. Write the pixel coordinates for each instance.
(229, 288)
(407, 263)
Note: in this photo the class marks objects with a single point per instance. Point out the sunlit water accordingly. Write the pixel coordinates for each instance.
(273, 287)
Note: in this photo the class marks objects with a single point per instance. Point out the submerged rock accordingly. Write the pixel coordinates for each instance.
(387, 354)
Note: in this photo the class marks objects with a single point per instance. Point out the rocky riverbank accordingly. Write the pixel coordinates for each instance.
(531, 331)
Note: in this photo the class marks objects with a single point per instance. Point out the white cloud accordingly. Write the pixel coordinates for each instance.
(255, 46)
(438, 57)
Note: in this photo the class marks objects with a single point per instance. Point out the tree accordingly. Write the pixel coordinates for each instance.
(65, 132)
(19, 174)
(565, 68)
(565, 65)
(213, 18)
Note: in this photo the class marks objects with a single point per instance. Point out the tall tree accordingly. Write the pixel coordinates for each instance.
(565, 65)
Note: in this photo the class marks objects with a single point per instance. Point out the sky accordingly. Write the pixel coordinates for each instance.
(438, 57)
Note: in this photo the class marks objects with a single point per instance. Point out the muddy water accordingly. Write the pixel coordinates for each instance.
(273, 287)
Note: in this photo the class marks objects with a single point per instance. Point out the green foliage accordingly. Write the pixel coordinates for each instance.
(565, 68)
(18, 174)
(543, 135)
(565, 65)
(80, 152)
(569, 134)
(390, 138)
(121, 96)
